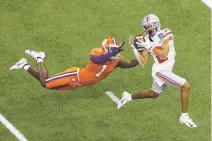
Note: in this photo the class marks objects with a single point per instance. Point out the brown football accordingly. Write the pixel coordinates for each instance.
(140, 37)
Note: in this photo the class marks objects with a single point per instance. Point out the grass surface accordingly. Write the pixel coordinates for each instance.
(66, 30)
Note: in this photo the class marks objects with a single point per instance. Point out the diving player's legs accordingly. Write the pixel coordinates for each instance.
(22, 64)
(42, 73)
(34, 73)
(65, 80)
(172, 79)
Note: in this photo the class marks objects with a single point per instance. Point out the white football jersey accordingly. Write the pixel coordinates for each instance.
(162, 63)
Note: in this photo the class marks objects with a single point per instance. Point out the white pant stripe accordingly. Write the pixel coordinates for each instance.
(62, 75)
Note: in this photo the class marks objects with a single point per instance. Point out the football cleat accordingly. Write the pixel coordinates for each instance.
(35, 54)
(19, 65)
(126, 97)
(187, 121)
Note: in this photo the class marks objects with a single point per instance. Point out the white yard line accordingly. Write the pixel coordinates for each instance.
(113, 97)
(12, 129)
(208, 3)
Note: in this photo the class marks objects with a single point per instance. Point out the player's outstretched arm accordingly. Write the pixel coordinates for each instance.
(102, 58)
(127, 64)
(106, 57)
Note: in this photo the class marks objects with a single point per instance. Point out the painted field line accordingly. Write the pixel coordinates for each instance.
(208, 3)
(12, 129)
(113, 97)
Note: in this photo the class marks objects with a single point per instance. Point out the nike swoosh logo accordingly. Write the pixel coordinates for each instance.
(190, 124)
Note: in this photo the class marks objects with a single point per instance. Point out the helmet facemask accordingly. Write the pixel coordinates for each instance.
(150, 29)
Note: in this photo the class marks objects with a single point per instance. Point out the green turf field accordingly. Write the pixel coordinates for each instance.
(66, 30)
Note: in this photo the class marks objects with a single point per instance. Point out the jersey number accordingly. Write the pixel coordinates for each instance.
(102, 70)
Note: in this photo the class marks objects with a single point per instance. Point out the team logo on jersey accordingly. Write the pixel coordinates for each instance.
(160, 36)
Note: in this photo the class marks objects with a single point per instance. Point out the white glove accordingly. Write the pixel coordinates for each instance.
(134, 49)
(146, 44)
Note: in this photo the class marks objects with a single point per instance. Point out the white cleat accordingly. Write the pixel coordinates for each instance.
(187, 121)
(35, 54)
(126, 97)
(19, 65)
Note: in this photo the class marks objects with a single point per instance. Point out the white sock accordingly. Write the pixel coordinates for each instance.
(184, 114)
(39, 60)
(26, 66)
(130, 97)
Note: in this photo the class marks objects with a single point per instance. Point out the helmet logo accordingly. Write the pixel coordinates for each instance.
(147, 19)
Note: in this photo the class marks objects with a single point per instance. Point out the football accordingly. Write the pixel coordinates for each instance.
(136, 41)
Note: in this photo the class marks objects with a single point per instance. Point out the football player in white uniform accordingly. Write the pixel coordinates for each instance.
(159, 43)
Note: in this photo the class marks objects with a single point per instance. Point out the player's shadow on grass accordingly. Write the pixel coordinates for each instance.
(92, 92)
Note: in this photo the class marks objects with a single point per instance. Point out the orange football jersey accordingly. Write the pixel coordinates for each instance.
(93, 73)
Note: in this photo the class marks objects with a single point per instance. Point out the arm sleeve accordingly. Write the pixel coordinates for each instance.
(167, 33)
(97, 56)
(102, 58)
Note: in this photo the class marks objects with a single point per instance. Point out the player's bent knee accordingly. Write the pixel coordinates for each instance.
(43, 85)
(186, 86)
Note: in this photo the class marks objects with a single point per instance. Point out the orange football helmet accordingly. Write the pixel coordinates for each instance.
(109, 43)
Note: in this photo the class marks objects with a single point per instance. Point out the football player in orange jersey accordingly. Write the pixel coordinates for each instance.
(102, 62)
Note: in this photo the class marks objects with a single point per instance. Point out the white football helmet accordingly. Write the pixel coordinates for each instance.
(151, 20)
